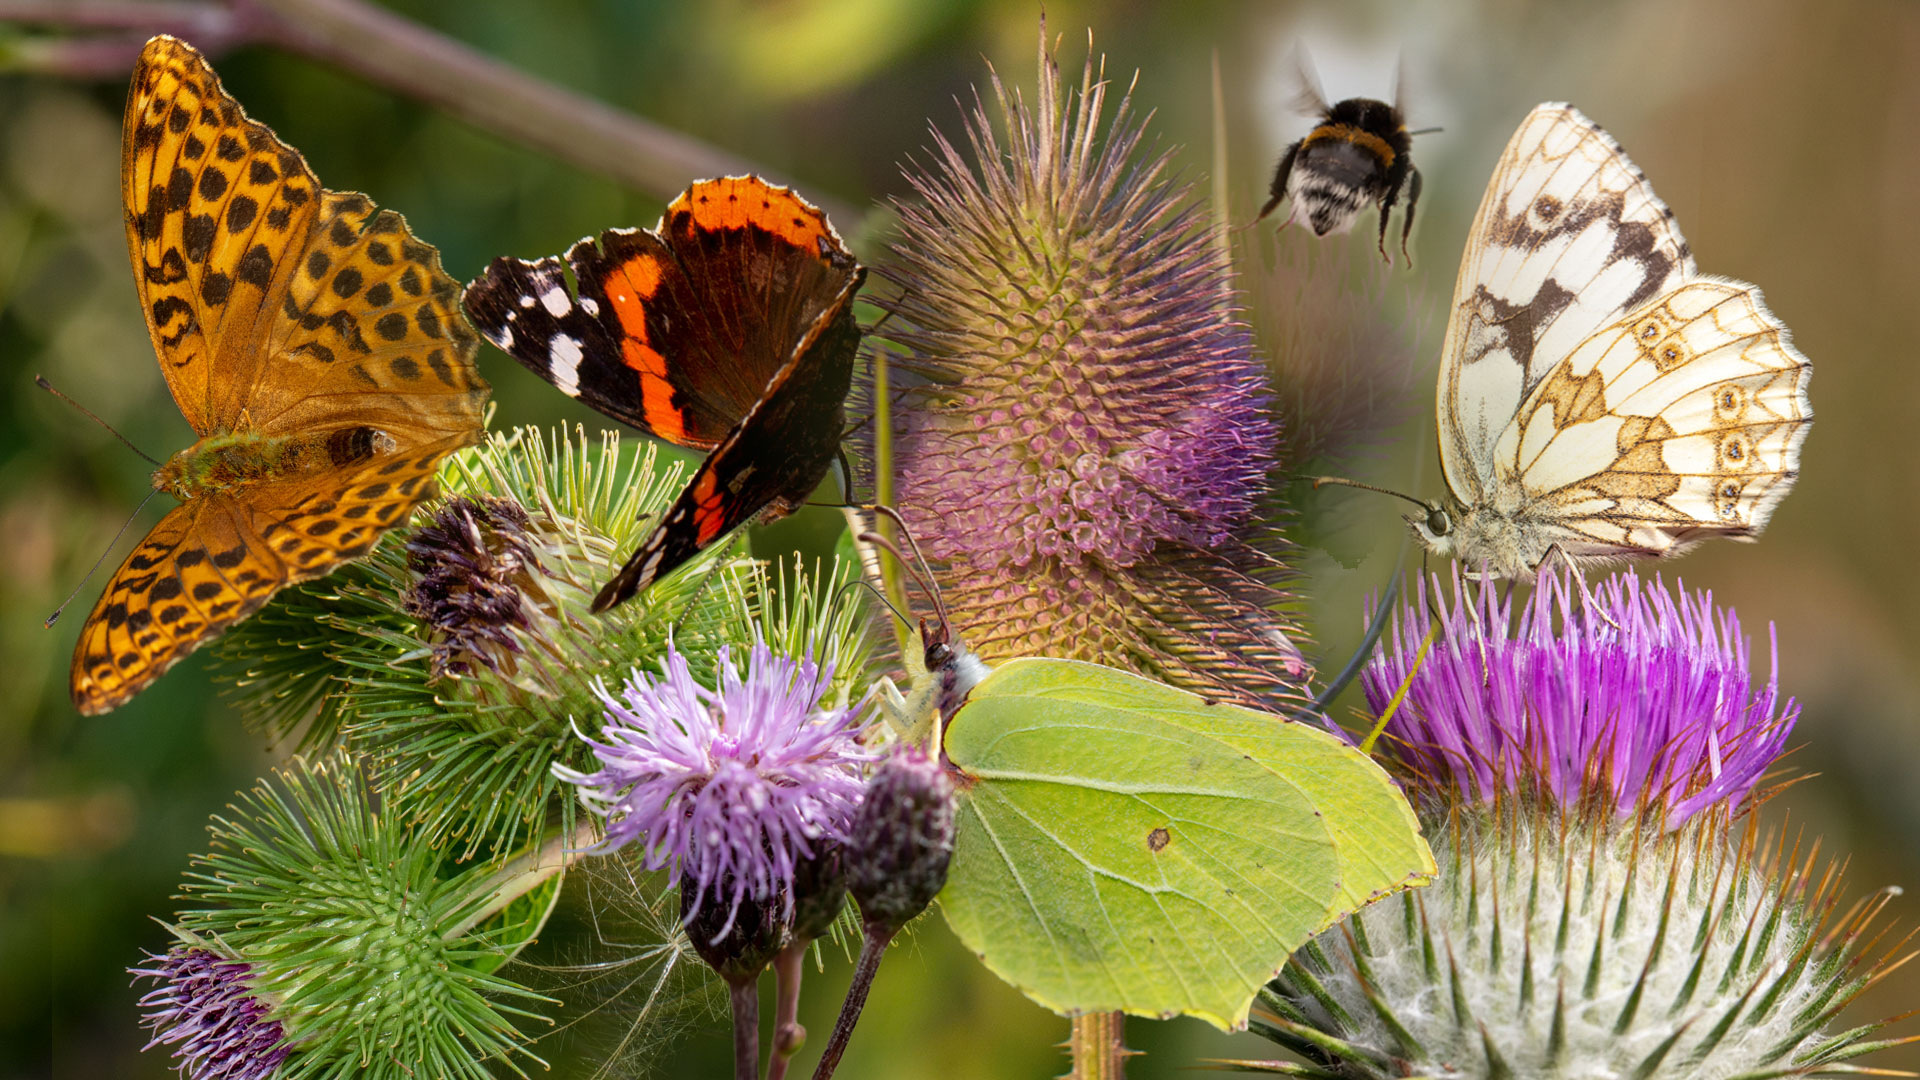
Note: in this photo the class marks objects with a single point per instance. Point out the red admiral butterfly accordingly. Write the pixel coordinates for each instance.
(728, 327)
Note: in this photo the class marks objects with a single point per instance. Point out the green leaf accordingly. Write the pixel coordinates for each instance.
(1123, 845)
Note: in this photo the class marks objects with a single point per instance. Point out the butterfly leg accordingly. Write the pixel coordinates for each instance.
(1579, 578)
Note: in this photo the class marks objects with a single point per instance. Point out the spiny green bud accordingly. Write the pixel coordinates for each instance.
(367, 950)
(1586, 945)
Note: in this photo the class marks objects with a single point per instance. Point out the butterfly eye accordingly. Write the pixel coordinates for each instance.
(1438, 523)
(937, 655)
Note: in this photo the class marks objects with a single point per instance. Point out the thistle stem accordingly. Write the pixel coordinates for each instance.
(746, 1028)
(402, 56)
(1098, 1047)
(788, 1035)
(872, 950)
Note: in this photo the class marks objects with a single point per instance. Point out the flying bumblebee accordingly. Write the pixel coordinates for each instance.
(1358, 154)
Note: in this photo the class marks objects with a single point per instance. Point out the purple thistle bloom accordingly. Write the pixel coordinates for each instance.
(206, 1008)
(731, 788)
(1644, 693)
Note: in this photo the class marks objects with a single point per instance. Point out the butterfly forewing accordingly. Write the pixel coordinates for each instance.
(214, 204)
(1569, 237)
(677, 332)
(369, 319)
(311, 341)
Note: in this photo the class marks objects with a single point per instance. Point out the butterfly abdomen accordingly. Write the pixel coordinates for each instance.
(221, 463)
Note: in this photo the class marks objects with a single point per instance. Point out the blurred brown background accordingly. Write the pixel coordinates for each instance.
(1783, 135)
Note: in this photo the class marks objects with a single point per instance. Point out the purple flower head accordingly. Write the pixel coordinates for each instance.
(206, 1009)
(730, 787)
(1644, 692)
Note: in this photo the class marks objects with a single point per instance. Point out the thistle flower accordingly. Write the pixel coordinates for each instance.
(476, 584)
(1587, 945)
(206, 1008)
(1645, 692)
(730, 788)
(1090, 448)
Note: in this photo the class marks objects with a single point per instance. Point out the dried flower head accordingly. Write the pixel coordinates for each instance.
(1642, 691)
(475, 585)
(1090, 447)
(732, 787)
(207, 1009)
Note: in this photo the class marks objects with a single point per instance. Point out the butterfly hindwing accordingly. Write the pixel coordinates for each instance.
(767, 465)
(199, 571)
(1680, 422)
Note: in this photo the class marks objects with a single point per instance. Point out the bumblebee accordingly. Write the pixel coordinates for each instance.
(1358, 154)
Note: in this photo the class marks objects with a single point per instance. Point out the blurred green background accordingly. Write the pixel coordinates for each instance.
(1782, 133)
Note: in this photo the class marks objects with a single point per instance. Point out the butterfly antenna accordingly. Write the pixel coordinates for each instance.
(1376, 626)
(41, 381)
(863, 583)
(1426, 131)
(103, 555)
(925, 574)
(1343, 482)
(882, 542)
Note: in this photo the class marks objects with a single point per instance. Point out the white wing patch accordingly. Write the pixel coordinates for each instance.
(1597, 394)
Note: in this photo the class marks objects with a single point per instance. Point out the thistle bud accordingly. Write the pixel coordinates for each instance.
(901, 839)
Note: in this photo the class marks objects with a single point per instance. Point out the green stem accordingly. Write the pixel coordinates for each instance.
(788, 1035)
(524, 874)
(1098, 1047)
(872, 951)
(890, 580)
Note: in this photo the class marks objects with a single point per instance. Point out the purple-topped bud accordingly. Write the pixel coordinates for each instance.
(901, 839)
(205, 1007)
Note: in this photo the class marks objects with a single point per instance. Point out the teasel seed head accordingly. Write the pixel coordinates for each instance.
(1087, 454)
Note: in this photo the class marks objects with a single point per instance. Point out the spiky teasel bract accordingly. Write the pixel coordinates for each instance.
(321, 915)
(1088, 452)
(458, 654)
(1573, 942)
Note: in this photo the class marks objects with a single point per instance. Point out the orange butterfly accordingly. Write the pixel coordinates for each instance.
(313, 344)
